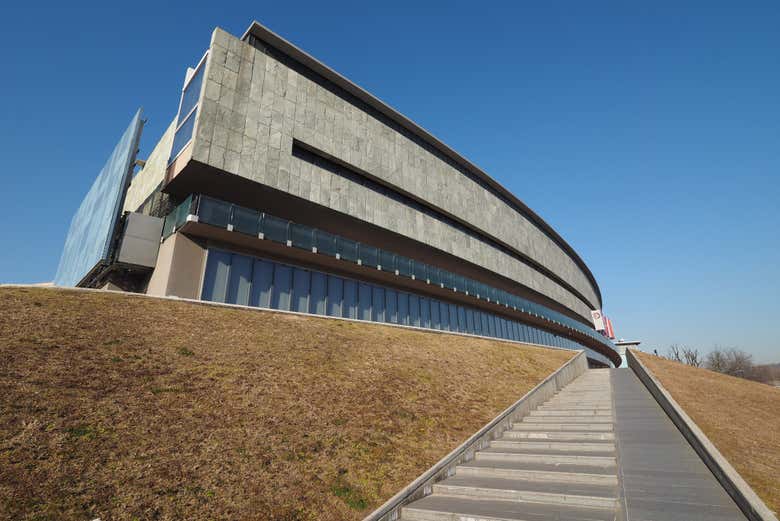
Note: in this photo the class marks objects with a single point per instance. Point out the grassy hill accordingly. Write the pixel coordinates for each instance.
(121, 407)
(741, 417)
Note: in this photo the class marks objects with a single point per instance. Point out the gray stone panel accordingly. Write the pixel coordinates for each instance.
(252, 108)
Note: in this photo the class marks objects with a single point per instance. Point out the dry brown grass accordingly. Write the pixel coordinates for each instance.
(129, 408)
(741, 417)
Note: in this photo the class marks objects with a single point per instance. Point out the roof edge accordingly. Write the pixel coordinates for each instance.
(263, 33)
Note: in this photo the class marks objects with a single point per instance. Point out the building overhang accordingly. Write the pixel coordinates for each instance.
(268, 37)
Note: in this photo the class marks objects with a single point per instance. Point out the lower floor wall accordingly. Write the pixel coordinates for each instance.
(179, 268)
(240, 279)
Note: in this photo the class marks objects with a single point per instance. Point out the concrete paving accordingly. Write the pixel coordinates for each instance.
(661, 476)
(601, 449)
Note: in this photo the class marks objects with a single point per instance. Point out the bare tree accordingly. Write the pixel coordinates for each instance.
(731, 361)
(716, 361)
(691, 356)
(675, 353)
(741, 363)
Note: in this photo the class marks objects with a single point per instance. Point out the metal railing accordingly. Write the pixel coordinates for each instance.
(262, 225)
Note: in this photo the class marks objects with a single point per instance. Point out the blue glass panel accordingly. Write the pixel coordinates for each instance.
(319, 292)
(462, 322)
(377, 304)
(445, 277)
(453, 310)
(444, 315)
(214, 212)
(245, 220)
(434, 275)
(364, 301)
(335, 295)
(302, 236)
(425, 312)
(477, 322)
(470, 321)
(282, 288)
(275, 229)
(369, 255)
(403, 308)
(240, 280)
(485, 326)
(215, 279)
(191, 94)
(301, 280)
(183, 135)
(350, 299)
(391, 305)
(262, 279)
(420, 270)
(387, 261)
(459, 283)
(492, 325)
(435, 321)
(414, 310)
(347, 249)
(93, 226)
(403, 265)
(326, 243)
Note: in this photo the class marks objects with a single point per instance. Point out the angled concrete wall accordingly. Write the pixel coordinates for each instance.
(256, 103)
(152, 174)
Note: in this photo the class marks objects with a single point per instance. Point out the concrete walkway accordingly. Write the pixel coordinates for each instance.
(600, 450)
(661, 476)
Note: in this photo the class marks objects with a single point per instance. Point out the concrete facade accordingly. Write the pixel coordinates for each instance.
(184, 281)
(255, 104)
(151, 176)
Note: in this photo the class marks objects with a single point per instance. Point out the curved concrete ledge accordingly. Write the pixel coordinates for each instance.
(423, 485)
(742, 494)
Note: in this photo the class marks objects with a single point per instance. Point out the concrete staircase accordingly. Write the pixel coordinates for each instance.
(559, 464)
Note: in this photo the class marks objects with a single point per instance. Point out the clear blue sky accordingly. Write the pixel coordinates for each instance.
(647, 135)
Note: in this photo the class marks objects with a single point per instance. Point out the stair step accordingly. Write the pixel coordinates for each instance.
(597, 496)
(580, 427)
(559, 436)
(606, 406)
(448, 508)
(602, 396)
(540, 472)
(571, 412)
(555, 446)
(490, 454)
(568, 419)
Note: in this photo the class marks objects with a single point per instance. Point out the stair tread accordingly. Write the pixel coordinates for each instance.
(558, 436)
(572, 489)
(606, 450)
(509, 510)
(540, 466)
